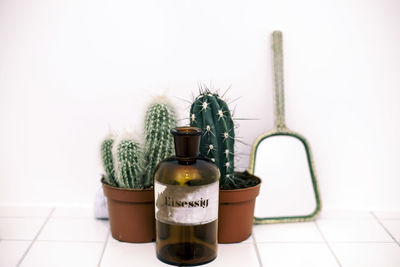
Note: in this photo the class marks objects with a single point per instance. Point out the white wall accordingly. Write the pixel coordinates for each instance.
(70, 68)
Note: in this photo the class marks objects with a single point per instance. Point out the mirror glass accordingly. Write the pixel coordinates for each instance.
(287, 189)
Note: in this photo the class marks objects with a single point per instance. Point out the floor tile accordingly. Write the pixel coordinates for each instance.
(367, 254)
(393, 226)
(11, 252)
(387, 215)
(123, 254)
(50, 253)
(129, 254)
(296, 254)
(345, 214)
(353, 231)
(74, 229)
(20, 228)
(24, 211)
(236, 255)
(287, 232)
(73, 212)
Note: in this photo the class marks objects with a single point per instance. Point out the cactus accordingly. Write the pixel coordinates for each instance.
(127, 165)
(107, 160)
(159, 143)
(127, 157)
(210, 113)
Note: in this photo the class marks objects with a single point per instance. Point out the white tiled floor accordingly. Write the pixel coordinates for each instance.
(387, 215)
(74, 229)
(296, 254)
(353, 230)
(20, 228)
(11, 251)
(235, 255)
(368, 254)
(40, 236)
(293, 232)
(125, 254)
(45, 253)
(22, 211)
(72, 212)
(393, 226)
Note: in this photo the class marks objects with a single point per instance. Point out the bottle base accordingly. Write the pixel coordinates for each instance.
(184, 254)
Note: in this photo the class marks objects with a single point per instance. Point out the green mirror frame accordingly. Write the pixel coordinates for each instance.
(280, 128)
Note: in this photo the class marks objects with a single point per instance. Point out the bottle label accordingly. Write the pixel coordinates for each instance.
(186, 205)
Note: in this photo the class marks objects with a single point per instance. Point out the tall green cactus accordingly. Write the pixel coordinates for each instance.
(210, 113)
(159, 143)
(107, 160)
(127, 155)
(127, 165)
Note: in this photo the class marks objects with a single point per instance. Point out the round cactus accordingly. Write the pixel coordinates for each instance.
(210, 113)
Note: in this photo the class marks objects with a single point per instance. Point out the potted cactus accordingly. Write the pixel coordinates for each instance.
(129, 172)
(238, 191)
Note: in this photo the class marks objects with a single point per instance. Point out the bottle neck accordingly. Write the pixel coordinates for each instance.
(187, 142)
(187, 146)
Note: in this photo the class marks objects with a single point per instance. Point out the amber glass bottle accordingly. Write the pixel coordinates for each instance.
(186, 203)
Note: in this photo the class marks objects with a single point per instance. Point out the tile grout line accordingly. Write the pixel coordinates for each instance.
(104, 248)
(384, 227)
(35, 238)
(327, 244)
(257, 251)
(59, 241)
(21, 217)
(321, 242)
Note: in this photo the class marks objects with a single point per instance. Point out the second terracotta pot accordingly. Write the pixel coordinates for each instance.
(131, 213)
(236, 211)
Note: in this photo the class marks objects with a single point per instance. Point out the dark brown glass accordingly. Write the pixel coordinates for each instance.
(186, 245)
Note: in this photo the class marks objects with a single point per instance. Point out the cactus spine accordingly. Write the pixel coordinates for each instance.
(210, 113)
(107, 160)
(159, 143)
(127, 156)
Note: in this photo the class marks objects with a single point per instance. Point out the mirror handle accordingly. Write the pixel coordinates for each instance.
(278, 81)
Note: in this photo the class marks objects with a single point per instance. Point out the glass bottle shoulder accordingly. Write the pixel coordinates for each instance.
(199, 171)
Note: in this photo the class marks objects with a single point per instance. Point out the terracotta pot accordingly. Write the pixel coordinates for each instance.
(236, 211)
(131, 213)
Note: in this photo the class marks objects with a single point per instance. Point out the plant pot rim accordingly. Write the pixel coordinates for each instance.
(128, 195)
(242, 189)
(246, 188)
(230, 196)
(125, 189)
